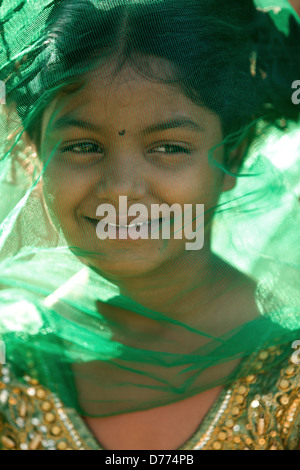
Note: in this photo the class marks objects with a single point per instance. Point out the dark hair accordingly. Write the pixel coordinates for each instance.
(228, 56)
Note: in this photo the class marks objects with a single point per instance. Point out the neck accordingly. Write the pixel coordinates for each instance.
(177, 290)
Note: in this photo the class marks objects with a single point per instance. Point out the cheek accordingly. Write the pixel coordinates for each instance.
(65, 189)
(199, 183)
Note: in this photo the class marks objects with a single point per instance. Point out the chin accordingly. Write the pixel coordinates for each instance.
(123, 268)
(128, 260)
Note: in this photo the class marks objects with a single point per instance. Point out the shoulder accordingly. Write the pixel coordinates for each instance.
(262, 411)
(20, 411)
(279, 396)
(31, 417)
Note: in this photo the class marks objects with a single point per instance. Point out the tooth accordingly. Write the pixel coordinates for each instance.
(127, 226)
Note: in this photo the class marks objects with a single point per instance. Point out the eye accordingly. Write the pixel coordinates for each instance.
(173, 149)
(82, 148)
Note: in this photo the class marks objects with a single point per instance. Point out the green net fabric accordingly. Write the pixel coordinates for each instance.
(118, 325)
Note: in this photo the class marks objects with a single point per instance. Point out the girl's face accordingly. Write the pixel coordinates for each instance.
(114, 141)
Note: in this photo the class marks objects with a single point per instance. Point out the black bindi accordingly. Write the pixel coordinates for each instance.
(122, 132)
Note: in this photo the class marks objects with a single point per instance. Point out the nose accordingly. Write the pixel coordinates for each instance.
(124, 174)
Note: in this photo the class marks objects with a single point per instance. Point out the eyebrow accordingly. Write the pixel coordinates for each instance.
(179, 122)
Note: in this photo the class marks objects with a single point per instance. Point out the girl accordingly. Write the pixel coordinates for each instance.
(136, 342)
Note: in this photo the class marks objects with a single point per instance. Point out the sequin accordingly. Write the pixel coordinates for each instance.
(254, 404)
(284, 384)
(229, 423)
(251, 378)
(61, 445)
(284, 400)
(4, 396)
(40, 393)
(34, 382)
(35, 421)
(46, 406)
(217, 445)
(56, 430)
(263, 355)
(239, 399)
(290, 370)
(49, 417)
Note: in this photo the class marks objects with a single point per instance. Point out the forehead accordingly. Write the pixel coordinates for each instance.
(135, 85)
(127, 97)
(129, 87)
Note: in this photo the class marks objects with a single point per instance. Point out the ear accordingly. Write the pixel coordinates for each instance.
(234, 162)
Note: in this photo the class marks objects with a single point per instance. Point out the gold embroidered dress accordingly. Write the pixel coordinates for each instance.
(258, 412)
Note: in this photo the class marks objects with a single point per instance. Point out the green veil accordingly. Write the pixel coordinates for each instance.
(116, 326)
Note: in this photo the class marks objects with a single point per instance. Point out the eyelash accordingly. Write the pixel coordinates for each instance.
(182, 149)
(70, 148)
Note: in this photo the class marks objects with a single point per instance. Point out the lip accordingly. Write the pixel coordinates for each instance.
(122, 233)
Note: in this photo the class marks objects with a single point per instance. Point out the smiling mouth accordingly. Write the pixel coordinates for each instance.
(110, 224)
